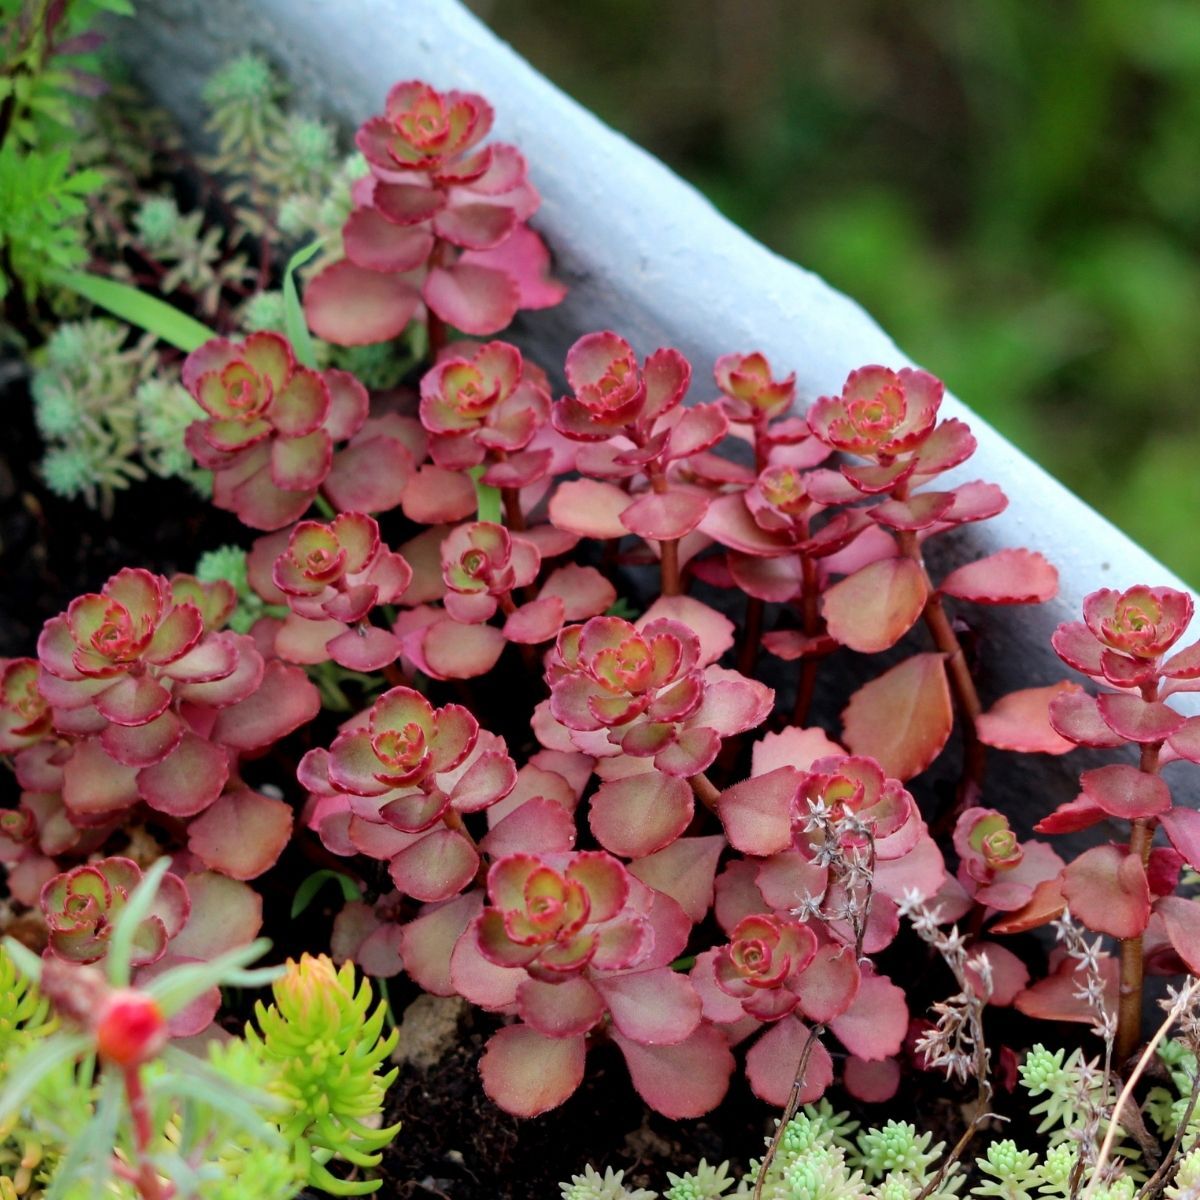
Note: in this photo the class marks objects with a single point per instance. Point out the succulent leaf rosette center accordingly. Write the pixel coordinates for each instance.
(1142, 622)
(880, 414)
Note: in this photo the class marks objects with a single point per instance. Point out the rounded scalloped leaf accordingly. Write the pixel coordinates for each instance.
(640, 814)
(903, 718)
(791, 747)
(242, 834)
(1182, 920)
(537, 826)
(1182, 826)
(876, 606)
(435, 496)
(472, 298)
(226, 913)
(1007, 577)
(436, 867)
(188, 780)
(682, 1081)
(828, 985)
(714, 629)
(757, 813)
(1107, 890)
(1045, 905)
(872, 1082)
(873, 1027)
(775, 1058)
(370, 475)
(584, 592)
(1021, 721)
(1123, 791)
(589, 508)
(1076, 716)
(1058, 996)
(654, 1008)
(351, 306)
(454, 651)
(527, 1074)
(536, 622)
(684, 870)
(665, 516)
(559, 1010)
(1136, 720)
(427, 941)
(284, 701)
(93, 785)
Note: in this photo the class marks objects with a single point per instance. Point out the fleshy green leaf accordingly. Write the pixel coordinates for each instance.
(308, 889)
(293, 312)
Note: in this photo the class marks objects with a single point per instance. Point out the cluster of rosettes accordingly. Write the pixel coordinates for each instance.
(1123, 644)
(270, 432)
(145, 698)
(395, 785)
(439, 222)
(648, 693)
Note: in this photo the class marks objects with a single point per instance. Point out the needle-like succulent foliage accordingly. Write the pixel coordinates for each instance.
(327, 1047)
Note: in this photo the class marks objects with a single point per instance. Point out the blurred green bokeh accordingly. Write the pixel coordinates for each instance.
(1012, 187)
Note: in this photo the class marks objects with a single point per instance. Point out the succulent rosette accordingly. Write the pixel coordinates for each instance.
(634, 424)
(570, 939)
(763, 958)
(486, 408)
(749, 392)
(854, 792)
(271, 426)
(647, 693)
(995, 867)
(880, 414)
(396, 783)
(440, 223)
(81, 905)
(331, 576)
(25, 716)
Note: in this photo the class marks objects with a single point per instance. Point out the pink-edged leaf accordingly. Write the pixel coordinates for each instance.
(640, 814)
(1007, 577)
(714, 629)
(903, 718)
(188, 780)
(1182, 826)
(284, 701)
(472, 298)
(729, 522)
(142, 745)
(369, 475)
(584, 592)
(653, 1008)
(435, 496)
(917, 512)
(791, 747)
(559, 1009)
(1044, 906)
(1076, 716)
(828, 985)
(757, 813)
(1107, 890)
(365, 648)
(1021, 721)
(684, 870)
(875, 1024)
(775, 580)
(665, 516)
(93, 785)
(1123, 791)
(537, 826)
(373, 242)
(526, 1073)
(477, 979)
(1136, 720)
(717, 1005)
(682, 1081)
(351, 306)
(436, 867)
(426, 941)
(523, 257)
(871, 1082)
(407, 203)
(1185, 741)
(736, 894)
(536, 622)
(1057, 997)
(876, 606)
(454, 651)
(242, 834)
(133, 700)
(1072, 816)
(775, 1058)
(1010, 976)
(1182, 920)
(589, 508)
(226, 913)
(475, 226)
(784, 879)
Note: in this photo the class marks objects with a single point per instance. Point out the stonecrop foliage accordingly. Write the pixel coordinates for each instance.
(632, 838)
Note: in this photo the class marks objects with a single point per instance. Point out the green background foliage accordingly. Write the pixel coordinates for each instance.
(1011, 188)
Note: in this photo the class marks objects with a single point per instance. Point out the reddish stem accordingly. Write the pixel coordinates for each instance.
(146, 1180)
(514, 518)
(751, 635)
(669, 550)
(1132, 976)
